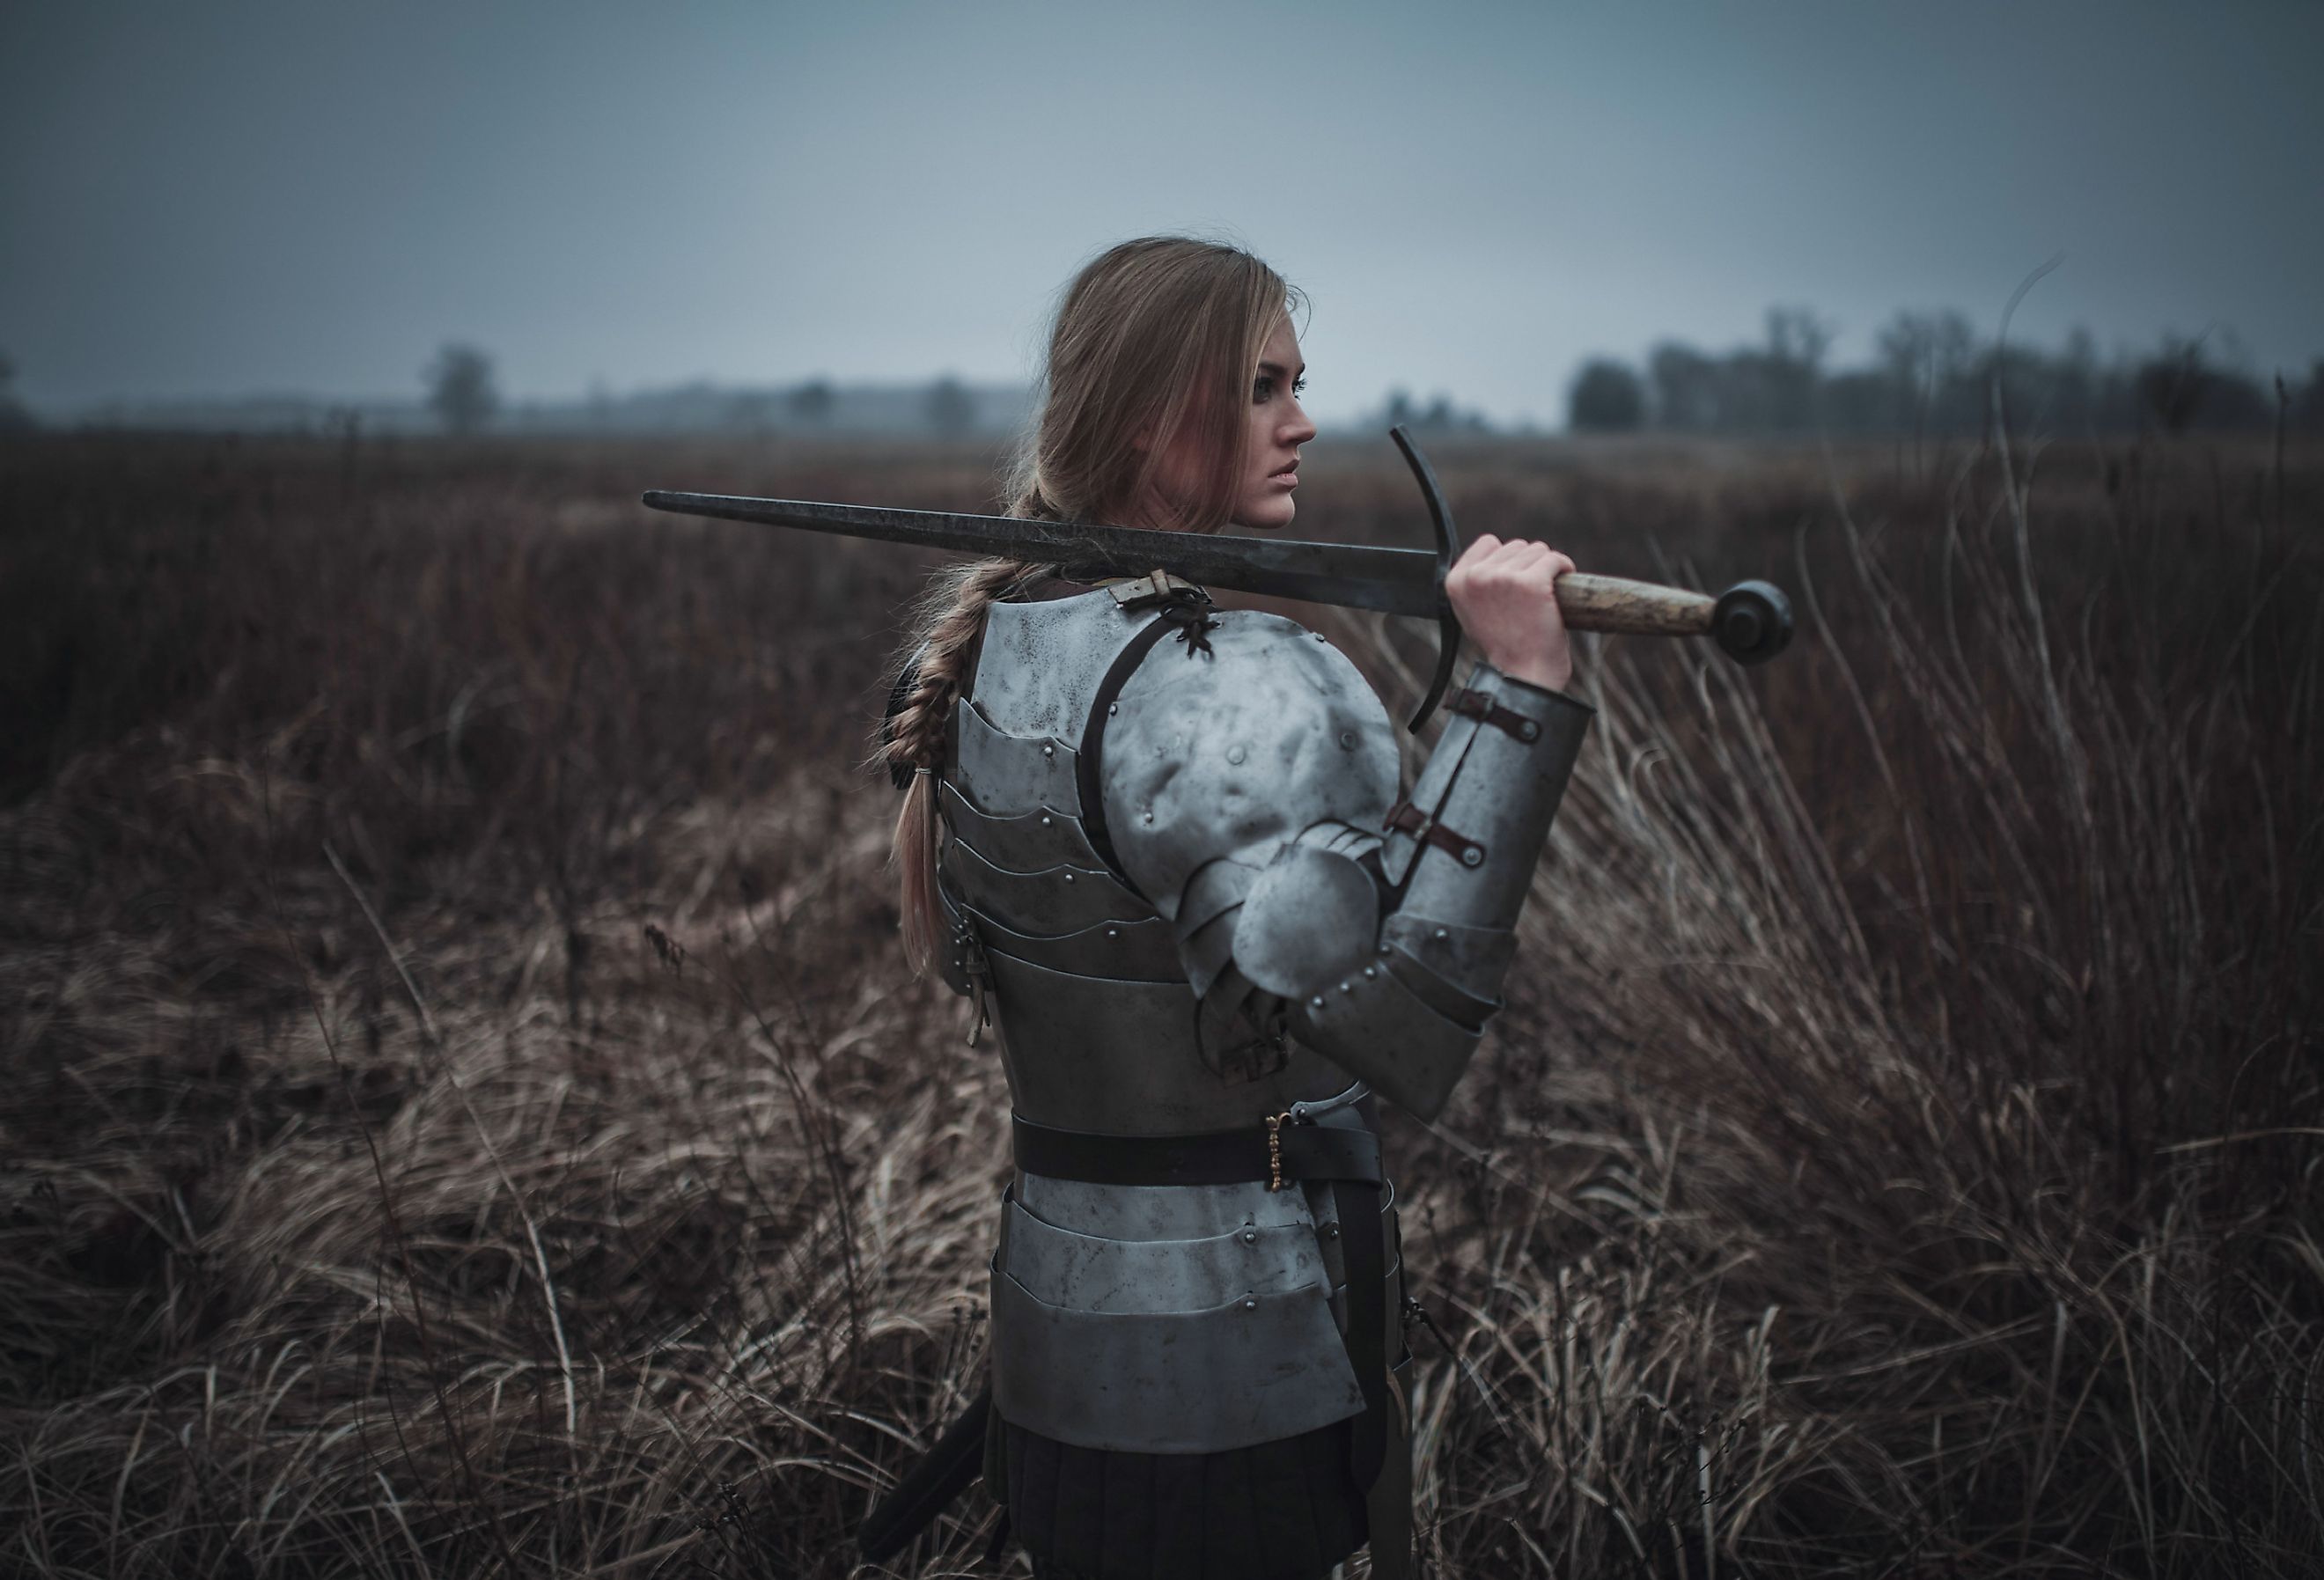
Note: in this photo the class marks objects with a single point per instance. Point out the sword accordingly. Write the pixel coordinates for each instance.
(1751, 621)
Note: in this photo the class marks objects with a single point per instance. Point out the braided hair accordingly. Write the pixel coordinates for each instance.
(912, 740)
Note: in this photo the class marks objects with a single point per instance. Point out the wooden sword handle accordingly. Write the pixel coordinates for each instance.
(1634, 608)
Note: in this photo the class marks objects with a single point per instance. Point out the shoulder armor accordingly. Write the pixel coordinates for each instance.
(1237, 746)
(1040, 662)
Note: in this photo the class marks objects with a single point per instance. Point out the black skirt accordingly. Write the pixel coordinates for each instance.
(1287, 1510)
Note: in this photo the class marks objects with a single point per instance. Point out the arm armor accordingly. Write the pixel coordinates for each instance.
(1243, 792)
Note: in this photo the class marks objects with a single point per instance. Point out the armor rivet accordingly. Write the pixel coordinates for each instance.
(1114, 932)
(1472, 856)
(1112, 708)
(1251, 1236)
(1384, 949)
(1048, 751)
(1442, 935)
(1319, 636)
(1331, 1231)
(1149, 817)
(1234, 753)
(1532, 731)
(1045, 820)
(1250, 1302)
(1317, 1001)
(1369, 970)
(1347, 987)
(1347, 740)
(1069, 877)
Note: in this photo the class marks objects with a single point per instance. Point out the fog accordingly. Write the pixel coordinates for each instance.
(232, 198)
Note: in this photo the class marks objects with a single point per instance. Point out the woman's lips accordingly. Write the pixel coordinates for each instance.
(1288, 478)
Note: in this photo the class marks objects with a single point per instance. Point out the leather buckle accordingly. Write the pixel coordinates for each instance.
(1477, 706)
(1405, 817)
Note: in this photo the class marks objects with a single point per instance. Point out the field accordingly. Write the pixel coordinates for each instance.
(466, 1114)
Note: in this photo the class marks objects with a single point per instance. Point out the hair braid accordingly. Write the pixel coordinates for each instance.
(950, 617)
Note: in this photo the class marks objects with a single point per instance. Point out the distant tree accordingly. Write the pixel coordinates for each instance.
(460, 389)
(1797, 335)
(1928, 357)
(14, 416)
(812, 403)
(1786, 377)
(1687, 387)
(1857, 401)
(2172, 385)
(753, 410)
(950, 409)
(2075, 382)
(2308, 402)
(1439, 416)
(1606, 397)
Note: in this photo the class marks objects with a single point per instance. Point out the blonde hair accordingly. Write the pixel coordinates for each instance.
(1154, 340)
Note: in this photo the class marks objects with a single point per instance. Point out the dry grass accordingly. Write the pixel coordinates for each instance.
(466, 1114)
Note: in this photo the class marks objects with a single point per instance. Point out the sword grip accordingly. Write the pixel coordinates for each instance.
(1632, 608)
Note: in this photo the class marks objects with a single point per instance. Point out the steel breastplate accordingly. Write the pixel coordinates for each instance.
(1094, 1012)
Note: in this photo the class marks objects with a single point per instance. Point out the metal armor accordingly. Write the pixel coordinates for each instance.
(1174, 866)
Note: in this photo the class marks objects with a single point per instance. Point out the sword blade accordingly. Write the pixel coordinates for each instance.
(1350, 575)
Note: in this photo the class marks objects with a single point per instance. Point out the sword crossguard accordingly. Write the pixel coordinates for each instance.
(1751, 621)
(1448, 550)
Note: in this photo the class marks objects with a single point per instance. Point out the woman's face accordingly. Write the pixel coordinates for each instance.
(1275, 429)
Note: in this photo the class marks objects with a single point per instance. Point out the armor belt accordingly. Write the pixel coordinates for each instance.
(1282, 1151)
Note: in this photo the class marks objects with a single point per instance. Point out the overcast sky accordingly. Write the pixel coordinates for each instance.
(217, 198)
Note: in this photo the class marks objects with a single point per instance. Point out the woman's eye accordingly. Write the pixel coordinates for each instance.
(1262, 390)
(1299, 385)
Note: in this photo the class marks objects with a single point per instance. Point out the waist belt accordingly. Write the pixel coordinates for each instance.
(1280, 1151)
(1285, 1149)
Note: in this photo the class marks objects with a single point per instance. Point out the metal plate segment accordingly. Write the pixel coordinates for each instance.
(1021, 842)
(1008, 775)
(1261, 1367)
(1503, 797)
(1381, 1033)
(1093, 1272)
(1310, 918)
(1059, 899)
(1040, 662)
(1119, 1058)
(1474, 959)
(1162, 1212)
(1128, 951)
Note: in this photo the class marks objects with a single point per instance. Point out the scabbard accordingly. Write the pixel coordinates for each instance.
(941, 1475)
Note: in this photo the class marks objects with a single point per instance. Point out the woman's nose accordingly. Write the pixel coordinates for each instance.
(1298, 430)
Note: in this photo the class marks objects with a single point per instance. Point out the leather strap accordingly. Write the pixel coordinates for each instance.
(1404, 818)
(928, 1490)
(1217, 1157)
(1088, 786)
(1482, 708)
(1364, 1253)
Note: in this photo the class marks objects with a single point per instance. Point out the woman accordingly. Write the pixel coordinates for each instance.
(1156, 842)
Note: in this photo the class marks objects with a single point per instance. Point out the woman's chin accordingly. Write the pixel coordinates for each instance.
(1268, 516)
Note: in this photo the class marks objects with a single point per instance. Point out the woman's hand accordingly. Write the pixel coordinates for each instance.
(1506, 598)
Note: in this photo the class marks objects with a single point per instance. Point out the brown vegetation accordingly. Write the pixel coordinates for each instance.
(466, 1112)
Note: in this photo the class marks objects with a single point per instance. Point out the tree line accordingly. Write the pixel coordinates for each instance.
(1930, 373)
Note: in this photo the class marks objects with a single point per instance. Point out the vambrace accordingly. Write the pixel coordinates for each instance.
(1388, 955)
